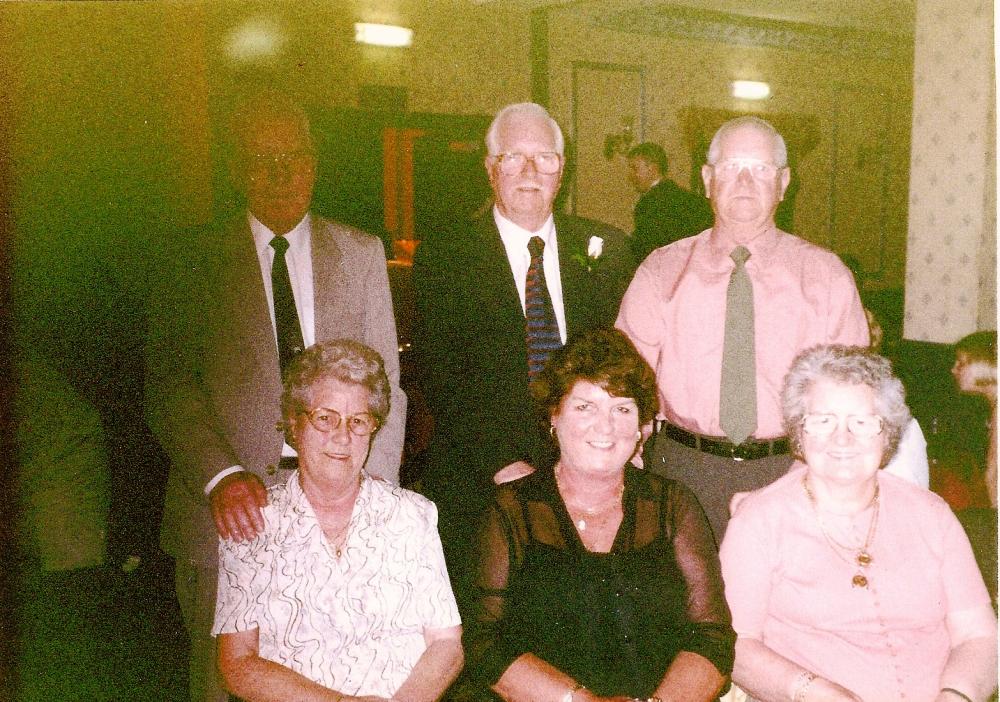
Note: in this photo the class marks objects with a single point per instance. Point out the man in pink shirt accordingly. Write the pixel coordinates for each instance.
(675, 311)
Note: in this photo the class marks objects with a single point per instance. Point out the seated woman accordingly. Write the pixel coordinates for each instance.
(847, 583)
(597, 580)
(344, 594)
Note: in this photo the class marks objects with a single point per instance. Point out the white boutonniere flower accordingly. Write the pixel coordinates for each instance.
(595, 247)
(588, 259)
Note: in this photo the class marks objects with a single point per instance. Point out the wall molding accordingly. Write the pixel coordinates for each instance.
(707, 25)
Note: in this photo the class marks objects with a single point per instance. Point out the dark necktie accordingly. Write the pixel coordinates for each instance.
(286, 318)
(738, 389)
(542, 331)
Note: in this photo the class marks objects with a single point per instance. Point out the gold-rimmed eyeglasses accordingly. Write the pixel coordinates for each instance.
(326, 420)
(863, 426)
(513, 162)
(758, 169)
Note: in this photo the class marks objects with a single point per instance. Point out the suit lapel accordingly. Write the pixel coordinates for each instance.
(490, 270)
(329, 284)
(245, 332)
(574, 277)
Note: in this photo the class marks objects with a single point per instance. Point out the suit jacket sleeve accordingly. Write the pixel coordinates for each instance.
(178, 409)
(380, 334)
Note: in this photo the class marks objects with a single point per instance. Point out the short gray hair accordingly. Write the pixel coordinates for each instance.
(847, 365)
(345, 360)
(521, 109)
(265, 106)
(761, 125)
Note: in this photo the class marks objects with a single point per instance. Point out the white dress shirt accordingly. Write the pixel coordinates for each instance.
(515, 241)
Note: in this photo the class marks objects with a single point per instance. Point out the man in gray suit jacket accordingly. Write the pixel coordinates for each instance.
(214, 382)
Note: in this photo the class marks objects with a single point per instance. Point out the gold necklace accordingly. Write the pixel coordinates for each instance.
(862, 555)
(339, 540)
(592, 511)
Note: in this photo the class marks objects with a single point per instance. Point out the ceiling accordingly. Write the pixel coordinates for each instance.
(882, 16)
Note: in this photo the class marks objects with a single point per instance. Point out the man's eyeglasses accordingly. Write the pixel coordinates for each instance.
(731, 167)
(863, 426)
(327, 420)
(513, 162)
(291, 159)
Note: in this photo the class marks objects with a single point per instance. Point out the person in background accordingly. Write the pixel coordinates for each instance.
(975, 372)
(343, 595)
(664, 212)
(847, 583)
(596, 580)
(66, 609)
(720, 316)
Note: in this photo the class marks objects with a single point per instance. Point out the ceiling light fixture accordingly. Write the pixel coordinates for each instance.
(751, 90)
(382, 34)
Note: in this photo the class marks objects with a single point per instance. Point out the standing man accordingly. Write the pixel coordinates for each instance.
(665, 212)
(247, 297)
(721, 315)
(492, 304)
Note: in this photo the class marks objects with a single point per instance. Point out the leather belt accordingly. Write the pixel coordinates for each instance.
(749, 450)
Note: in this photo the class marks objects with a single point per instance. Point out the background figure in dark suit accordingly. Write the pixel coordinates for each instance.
(214, 381)
(665, 212)
(471, 302)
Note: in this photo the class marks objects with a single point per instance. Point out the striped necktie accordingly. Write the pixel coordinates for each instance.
(541, 330)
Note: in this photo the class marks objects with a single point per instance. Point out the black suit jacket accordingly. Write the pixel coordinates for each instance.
(666, 213)
(471, 340)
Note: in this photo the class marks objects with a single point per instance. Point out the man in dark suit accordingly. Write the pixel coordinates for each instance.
(248, 295)
(477, 294)
(665, 212)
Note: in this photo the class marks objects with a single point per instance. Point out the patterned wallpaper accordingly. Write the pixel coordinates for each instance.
(952, 245)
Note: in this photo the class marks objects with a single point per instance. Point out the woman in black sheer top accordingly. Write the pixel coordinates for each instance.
(597, 580)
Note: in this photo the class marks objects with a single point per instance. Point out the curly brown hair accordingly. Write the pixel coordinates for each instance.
(605, 357)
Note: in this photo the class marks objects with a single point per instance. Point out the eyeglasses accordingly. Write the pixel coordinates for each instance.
(291, 159)
(863, 426)
(731, 167)
(327, 420)
(512, 162)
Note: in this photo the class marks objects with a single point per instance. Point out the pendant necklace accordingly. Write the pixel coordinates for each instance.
(862, 556)
(589, 512)
(339, 540)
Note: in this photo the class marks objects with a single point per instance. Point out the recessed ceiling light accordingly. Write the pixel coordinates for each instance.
(382, 34)
(751, 90)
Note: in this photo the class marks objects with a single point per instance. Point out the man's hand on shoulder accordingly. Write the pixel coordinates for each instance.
(236, 506)
(512, 471)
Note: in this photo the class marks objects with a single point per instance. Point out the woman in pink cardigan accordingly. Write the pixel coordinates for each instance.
(846, 583)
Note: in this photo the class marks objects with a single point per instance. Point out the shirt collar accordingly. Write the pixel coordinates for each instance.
(511, 231)
(297, 237)
(760, 248)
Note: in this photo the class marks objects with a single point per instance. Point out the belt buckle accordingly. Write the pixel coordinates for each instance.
(732, 452)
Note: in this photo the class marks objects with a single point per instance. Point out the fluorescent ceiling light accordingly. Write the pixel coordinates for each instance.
(382, 34)
(751, 90)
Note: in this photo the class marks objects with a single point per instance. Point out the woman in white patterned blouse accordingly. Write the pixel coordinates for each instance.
(344, 595)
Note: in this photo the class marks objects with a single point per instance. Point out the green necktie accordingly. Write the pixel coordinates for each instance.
(738, 389)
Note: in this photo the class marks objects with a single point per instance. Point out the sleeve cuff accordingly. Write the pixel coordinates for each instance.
(219, 476)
